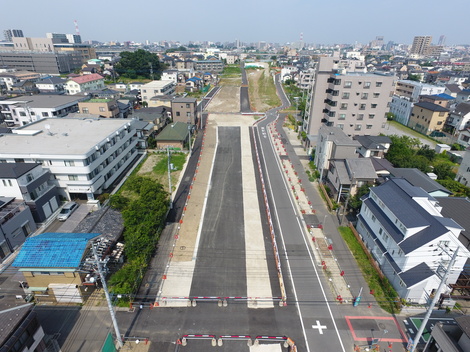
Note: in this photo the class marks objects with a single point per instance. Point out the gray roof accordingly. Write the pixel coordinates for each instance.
(453, 88)
(11, 319)
(381, 164)
(46, 101)
(458, 209)
(361, 168)
(419, 179)
(373, 142)
(176, 131)
(52, 80)
(464, 323)
(431, 106)
(416, 274)
(15, 170)
(388, 225)
(462, 109)
(337, 136)
(150, 114)
(184, 100)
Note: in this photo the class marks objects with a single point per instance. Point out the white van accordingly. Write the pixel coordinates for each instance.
(67, 210)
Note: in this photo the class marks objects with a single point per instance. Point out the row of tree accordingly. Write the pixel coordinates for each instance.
(144, 207)
(139, 64)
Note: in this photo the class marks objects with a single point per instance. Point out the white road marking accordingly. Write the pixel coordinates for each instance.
(319, 327)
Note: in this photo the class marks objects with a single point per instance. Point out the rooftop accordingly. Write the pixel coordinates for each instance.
(15, 170)
(373, 142)
(60, 136)
(419, 179)
(431, 106)
(43, 101)
(176, 131)
(11, 318)
(87, 78)
(53, 250)
(337, 136)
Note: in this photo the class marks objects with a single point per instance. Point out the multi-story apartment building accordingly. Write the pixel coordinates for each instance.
(185, 110)
(421, 45)
(407, 235)
(31, 183)
(156, 88)
(216, 66)
(347, 97)
(85, 83)
(84, 155)
(26, 109)
(102, 107)
(428, 117)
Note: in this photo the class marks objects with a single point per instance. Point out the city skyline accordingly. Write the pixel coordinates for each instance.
(280, 22)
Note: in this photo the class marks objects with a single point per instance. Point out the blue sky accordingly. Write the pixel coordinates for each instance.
(327, 22)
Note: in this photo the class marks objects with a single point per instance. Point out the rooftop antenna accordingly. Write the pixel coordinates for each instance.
(76, 27)
(48, 128)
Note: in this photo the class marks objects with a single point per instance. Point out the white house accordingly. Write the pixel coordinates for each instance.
(154, 88)
(84, 155)
(401, 107)
(463, 175)
(51, 84)
(85, 83)
(411, 241)
(459, 118)
(26, 109)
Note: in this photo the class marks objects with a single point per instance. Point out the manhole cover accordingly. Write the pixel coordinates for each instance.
(381, 325)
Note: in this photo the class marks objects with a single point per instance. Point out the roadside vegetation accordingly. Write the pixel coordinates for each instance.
(231, 75)
(262, 90)
(379, 285)
(292, 91)
(143, 202)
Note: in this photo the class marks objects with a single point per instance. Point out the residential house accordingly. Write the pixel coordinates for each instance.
(428, 117)
(85, 83)
(53, 266)
(459, 118)
(160, 100)
(194, 84)
(174, 136)
(373, 146)
(159, 116)
(333, 143)
(85, 156)
(413, 89)
(463, 175)
(404, 230)
(135, 85)
(401, 108)
(347, 175)
(450, 336)
(104, 107)
(156, 88)
(419, 179)
(452, 90)
(170, 75)
(185, 110)
(12, 77)
(458, 209)
(21, 330)
(464, 138)
(438, 99)
(51, 84)
(31, 183)
(16, 223)
(26, 109)
(463, 96)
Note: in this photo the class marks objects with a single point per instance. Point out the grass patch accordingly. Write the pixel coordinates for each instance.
(232, 70)
(267, 90)
(410, 131)
(384, 293)
(177, 159)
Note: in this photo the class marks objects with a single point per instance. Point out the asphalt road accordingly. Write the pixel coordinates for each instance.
(220, 266)
(244, 97)
(306, 287)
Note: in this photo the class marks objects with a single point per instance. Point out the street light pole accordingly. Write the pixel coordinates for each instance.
(169, 176)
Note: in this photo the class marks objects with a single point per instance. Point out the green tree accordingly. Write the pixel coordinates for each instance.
(355, 202)
(139, 63)
(427, 152)
(412, 77)
(151, 142)
(444, 170)
(458, 189)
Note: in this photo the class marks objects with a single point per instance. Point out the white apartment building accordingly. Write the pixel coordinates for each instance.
(154, 88)
(413, 89)
(84, 155)
(463, 175)
(401, 107)
(26, 109)
(403, 228)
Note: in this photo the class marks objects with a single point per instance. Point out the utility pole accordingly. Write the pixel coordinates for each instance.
(433, 301)
(151, 70)
(169, 176)
(108, 299)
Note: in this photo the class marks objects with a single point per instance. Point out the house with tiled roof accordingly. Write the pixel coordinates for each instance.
(174, 136)
(54, 266)
(85, 83)
(409, 238)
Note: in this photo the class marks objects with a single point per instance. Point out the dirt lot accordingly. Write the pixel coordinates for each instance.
(227, 100)
(262, 90)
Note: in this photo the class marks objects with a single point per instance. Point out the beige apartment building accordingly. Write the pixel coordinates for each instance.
(421, 45)
(104, 107)
(427, 117)
(185, 110)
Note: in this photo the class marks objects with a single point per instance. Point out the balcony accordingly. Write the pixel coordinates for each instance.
(10, 209)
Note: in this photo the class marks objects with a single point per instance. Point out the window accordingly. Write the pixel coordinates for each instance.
(22, 113)
(29, 177)
(358, 127)
(376, 95)
(378, 84)
(73, 177)
(439, 122)
(331, 113)
(373, 218)
(188, 114)
(340, 125)
(45, 114)
(369, 127)
(371, 116)
(69, 163)
(4, 183)
(365, 95)
(342, 117)
(187, 106)
(102, 109)
(360, 117)
(346, 95)
(347, 84)
(362, 107)
(366, 85)
(178, 113)
(144, 90)
(344, 106)
(373, 106)
(85, 110)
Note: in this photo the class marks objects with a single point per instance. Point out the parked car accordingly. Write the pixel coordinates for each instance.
(67, 210)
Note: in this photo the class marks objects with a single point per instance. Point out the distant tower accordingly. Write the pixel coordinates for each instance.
(76, 27)
(301, 41)
(442, 40)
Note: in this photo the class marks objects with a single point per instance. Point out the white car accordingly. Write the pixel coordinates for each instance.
(67, 210)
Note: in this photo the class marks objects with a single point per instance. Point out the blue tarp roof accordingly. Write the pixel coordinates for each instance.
(53, 250)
